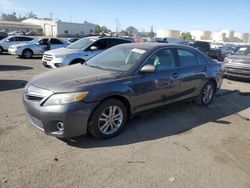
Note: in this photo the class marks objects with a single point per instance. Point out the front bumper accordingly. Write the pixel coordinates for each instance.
(74, 117)
(14, 51)
(54, 63)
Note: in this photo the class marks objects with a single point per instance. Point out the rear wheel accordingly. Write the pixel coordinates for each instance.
(27, 54)
(108, 119)
(207, 94)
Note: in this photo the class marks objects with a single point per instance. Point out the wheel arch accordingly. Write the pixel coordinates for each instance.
(121, 98)
(76, 60)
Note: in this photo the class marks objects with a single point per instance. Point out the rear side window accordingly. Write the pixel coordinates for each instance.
(114, 42)
(201, 60)
(101, 44)
(24, 39)
(55, 41)
(12, 39)
(186, 58)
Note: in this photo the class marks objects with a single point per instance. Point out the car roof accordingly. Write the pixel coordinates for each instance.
(154, 45)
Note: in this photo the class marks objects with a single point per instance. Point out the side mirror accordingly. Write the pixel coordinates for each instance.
(93, 48)
(148, 69)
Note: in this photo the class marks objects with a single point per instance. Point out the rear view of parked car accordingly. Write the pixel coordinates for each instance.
(8, 41)
(101, 94)
(36, 47)
(80, 51)
(238, 64)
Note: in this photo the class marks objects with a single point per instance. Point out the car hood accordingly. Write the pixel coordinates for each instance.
(240, 59)
(72, 78)
(63, 51)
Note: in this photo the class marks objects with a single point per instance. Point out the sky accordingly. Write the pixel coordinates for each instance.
(184, 15)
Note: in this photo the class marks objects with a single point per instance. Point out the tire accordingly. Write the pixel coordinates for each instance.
(102, 123)
(77, 61)
(1, 49)
(207, 94)
(27, 54)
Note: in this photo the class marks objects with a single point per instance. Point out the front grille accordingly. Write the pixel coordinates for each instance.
(34, 93)
(238, 71)
(47, 57)
(34, 98)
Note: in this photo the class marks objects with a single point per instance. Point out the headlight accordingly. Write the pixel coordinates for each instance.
(61, 56)
(65, 98)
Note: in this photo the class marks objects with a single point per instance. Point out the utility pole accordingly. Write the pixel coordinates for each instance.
(51, 15)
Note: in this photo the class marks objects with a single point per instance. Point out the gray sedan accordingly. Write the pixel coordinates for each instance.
(238, 64)
(100, 95)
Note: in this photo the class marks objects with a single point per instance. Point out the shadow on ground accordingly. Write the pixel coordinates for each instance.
(6, 85)
(14, 67)
(171, 120)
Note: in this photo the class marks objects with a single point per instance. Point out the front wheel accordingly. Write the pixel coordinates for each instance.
(108, 119)
(27, 54)
(207, 94)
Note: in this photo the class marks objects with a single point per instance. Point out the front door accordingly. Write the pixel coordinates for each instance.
(158, 88)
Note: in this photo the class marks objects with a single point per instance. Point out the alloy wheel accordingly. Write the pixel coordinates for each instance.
(207, 93)
(110, 120)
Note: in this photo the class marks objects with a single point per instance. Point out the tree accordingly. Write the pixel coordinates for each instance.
(9, 17)
(131, 30)
(31, 14)
(102, 29)
(186, 36)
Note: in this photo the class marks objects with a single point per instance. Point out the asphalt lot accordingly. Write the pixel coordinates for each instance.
(182, 145)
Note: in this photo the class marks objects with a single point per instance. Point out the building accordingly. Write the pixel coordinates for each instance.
(201, 35)
(165, 33)
(8, 26)
(241, 37)
(218, 37)
(62, 29)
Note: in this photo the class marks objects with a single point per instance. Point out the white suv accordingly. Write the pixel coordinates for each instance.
(80, 51)
(8, 41)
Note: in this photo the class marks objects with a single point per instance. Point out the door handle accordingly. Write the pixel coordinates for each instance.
(175, 75)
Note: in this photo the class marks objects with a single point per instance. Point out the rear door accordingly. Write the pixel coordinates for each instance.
(193, 72)
(158, 88)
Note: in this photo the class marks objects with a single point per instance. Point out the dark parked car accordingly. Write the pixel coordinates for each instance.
(98, 96)
(238, 64)
(205, 48)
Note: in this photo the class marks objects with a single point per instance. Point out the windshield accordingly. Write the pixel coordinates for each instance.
(243, 51)
(82, 43)
(119, 58)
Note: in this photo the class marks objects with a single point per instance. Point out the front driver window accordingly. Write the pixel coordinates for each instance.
(162, 60)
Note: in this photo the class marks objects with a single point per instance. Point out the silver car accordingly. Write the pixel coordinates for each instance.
(8, 41)
(80, 51)
(238, 64)
(36, 47)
